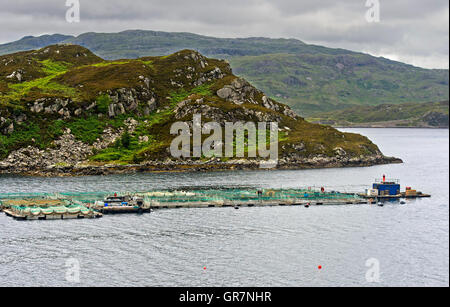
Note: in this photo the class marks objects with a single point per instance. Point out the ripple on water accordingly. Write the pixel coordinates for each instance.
(278, 246)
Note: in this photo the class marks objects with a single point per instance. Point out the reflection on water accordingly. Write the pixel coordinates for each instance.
(278, 246)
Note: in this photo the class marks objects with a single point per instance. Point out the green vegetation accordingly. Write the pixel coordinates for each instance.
(103, 102)
(20, 138)
(53, 68)
(33, 133)
(148, 63)
(126, 149)
(87, 130)
(45, 85)
(125, 140)
(180, 95)
(104, 64)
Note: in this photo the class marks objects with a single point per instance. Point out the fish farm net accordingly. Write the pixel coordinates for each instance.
(239, 195)
(207, 196)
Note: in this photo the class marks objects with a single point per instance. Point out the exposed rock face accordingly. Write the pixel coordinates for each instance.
(16, 75)
(127, 100)
(436, 119)
(7, 125)
(123, 101)
(57, 106)
(214, 74)
(240, 92)
(186, 108)
(152, 105)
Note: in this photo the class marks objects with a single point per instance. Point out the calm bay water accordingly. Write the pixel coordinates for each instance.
(278, 246)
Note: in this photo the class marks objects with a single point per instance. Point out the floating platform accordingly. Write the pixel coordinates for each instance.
(42, 217)
(123, 209)
(46, 209)
(399, 196)
(247, 198)
(122, 204)
(257, 204)
(389, 189)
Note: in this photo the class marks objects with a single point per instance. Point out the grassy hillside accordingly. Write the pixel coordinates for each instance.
(312, 83)
(45, 92)
(432, 114)
(308, 78)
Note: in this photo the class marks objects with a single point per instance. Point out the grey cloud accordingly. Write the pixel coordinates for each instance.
(412, 31)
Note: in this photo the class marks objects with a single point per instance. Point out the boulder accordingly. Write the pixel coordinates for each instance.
(111, 112)
(10, 129)
(225, 93)
(16, 75)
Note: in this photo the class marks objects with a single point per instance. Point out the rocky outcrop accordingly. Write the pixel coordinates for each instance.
(123, 101)
(53, 106)
(240, 92)
(7, 125)
(126, 100)
(186, 108)
(214, 74)
(16, 75)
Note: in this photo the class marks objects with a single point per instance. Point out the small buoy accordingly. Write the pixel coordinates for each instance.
(403, 202)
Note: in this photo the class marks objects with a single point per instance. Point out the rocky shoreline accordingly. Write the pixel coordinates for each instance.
(82, 169)
(70, 157)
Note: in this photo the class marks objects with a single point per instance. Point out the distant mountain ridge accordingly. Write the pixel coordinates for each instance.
(138, 43)
(31, 42)
(309, 78)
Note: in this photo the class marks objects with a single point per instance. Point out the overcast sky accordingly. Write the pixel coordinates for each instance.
(411, 31)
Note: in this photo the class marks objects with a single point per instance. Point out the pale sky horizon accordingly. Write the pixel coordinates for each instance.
(414, 32)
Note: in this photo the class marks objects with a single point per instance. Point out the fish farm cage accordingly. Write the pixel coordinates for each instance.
(206, 196)
(45, 208)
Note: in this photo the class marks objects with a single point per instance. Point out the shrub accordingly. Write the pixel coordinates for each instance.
(125, 140)
(87, 130)
(103, 102)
